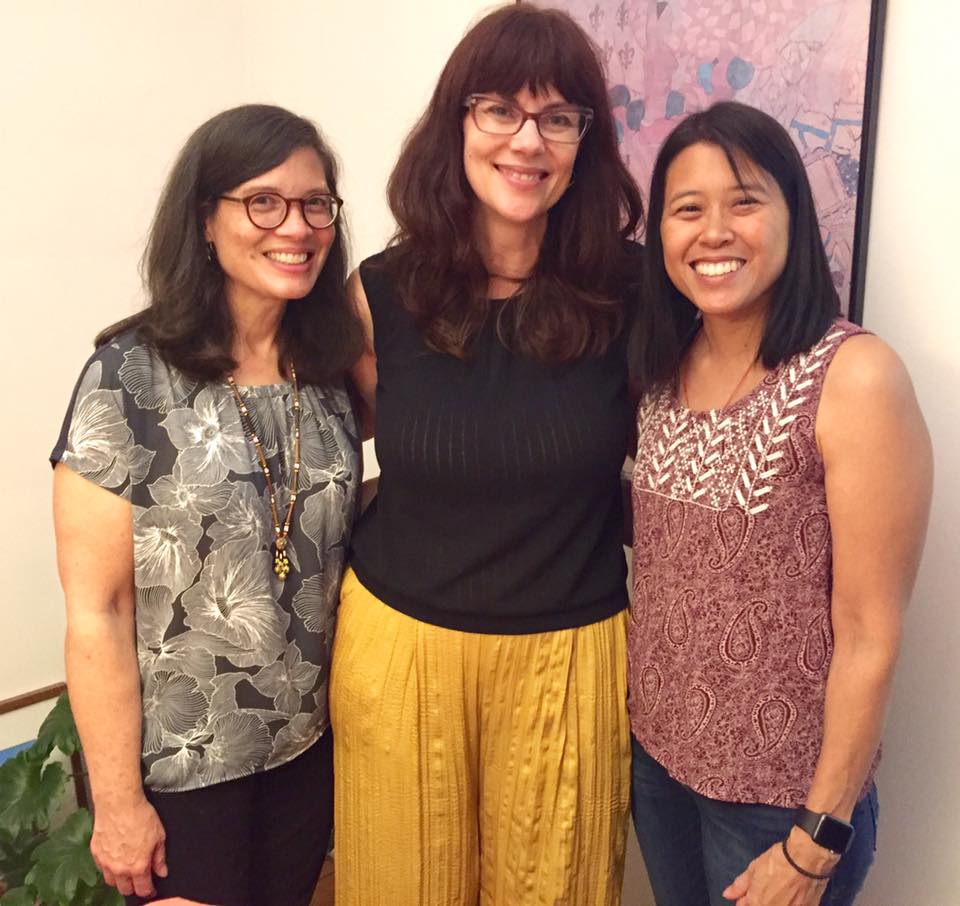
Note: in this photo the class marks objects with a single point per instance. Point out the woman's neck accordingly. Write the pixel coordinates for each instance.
(722, 364)
(731, 339)
(509, 252)
(256, 332)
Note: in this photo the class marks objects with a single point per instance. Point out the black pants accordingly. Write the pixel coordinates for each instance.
(257, 841)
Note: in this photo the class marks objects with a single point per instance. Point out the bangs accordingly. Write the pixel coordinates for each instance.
(539, 52)
(753, 143)
(745, 168)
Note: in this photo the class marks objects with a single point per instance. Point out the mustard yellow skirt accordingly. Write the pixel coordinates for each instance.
(477, 769)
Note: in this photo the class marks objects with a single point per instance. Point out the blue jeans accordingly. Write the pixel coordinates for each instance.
(694, 847)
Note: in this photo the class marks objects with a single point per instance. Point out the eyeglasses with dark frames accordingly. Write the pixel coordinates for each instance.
(268, 210)
(566, 123)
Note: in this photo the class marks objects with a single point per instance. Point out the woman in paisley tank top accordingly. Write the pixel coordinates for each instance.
(780, 495)
(205, 486)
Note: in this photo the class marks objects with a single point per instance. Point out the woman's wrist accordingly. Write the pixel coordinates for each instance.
(803, 853)
(118, 795)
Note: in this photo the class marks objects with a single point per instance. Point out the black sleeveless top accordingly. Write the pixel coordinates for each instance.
(499, 505)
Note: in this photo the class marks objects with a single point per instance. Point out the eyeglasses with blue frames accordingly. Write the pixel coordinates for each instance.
(565, 123)
(268, 210)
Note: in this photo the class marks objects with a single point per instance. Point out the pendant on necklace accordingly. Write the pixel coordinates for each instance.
(281, 563)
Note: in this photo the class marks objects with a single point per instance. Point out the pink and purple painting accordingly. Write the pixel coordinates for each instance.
(806, 62)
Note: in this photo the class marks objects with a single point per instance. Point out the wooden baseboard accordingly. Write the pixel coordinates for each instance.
(31, 698)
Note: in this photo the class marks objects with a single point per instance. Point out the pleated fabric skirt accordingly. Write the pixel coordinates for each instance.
(477, 769)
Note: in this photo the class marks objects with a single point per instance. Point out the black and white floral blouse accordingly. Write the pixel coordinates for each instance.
(234, 663)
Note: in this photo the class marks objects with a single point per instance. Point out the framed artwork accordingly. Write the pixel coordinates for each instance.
(812, 64)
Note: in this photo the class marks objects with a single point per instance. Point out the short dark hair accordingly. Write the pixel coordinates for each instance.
(572, 304)
(804, 301)
(187, 320)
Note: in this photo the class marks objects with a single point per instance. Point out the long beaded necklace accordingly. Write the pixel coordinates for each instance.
(281, 562)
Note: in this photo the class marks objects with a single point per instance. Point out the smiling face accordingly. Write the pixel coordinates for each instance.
(279, 264)
(517, 178)
(724, 244)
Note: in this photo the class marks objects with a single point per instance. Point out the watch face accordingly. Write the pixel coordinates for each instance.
(833, 834)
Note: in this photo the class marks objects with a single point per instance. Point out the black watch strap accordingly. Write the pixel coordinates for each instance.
(825, 830)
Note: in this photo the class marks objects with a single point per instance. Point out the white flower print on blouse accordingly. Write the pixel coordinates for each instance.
(166, 543)
(172, 703)
(235, 601)
(197, 499)
(178, 771)
(266, 428)
(241, 744)
(312, 602)
(287, 681)
(295, 737)
(325, 465)
(223, 699)
(154, 615)
(234, 664)
(209, 437)
(323, 515)
(100, 443)
(153, 384)
(320, 450)
(191, 653)
(246, 519)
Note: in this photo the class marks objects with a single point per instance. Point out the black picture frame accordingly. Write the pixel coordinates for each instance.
(597, 16)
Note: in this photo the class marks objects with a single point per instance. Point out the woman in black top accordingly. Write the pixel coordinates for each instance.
(478, 693)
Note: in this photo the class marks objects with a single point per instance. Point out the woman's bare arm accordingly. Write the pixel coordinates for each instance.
(94, 531)
(364, 372)
(878, 474)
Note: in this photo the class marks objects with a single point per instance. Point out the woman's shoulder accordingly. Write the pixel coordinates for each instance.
(865, 372)
(861, 357)
(120, 343)
(382, 262)
(376, 273)
(102, 368)
(378, 277)
(139, 377)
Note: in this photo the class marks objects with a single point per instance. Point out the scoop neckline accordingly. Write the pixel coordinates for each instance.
(772, 376)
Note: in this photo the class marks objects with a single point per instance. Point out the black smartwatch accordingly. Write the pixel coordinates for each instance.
(825, 830)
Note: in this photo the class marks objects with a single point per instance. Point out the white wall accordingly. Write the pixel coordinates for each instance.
(97, 99)
(913, 301)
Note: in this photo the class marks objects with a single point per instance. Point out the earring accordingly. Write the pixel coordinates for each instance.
(212, 255)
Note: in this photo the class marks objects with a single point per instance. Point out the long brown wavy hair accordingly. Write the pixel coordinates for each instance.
(187, 320)
(573, 305)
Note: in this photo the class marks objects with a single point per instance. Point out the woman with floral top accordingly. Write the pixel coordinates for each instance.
(780, 497)
(206, 481)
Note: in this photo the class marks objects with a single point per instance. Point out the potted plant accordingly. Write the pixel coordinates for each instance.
(41, 864)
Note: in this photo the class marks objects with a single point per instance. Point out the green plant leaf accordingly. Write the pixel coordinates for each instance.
(8, 788)
(58, 731)
(63, 861)
(18, 896)
(16, 857)
(28, 792)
